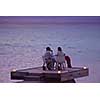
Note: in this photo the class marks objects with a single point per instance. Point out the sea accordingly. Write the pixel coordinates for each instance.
(22, 46)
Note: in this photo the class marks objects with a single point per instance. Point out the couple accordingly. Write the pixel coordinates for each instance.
(52, 62)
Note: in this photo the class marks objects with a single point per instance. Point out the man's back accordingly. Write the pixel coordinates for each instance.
(47, 55)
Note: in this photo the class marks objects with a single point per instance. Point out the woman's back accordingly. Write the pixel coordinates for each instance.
(60, 57)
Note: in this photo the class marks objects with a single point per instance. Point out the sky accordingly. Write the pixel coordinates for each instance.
(49, 19)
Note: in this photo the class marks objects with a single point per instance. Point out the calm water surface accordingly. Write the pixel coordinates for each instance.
(21, 46)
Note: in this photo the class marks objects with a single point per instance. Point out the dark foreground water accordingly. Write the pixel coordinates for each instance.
(21, 46)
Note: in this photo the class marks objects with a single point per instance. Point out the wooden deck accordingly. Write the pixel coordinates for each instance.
(37, 74)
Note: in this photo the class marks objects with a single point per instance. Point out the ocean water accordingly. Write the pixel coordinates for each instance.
(22, 46)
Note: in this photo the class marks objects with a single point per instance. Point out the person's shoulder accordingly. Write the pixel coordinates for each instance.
(63, 53)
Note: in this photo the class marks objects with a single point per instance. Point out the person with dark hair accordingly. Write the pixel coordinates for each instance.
(48, 59)
(60, 59)
(59, 49)
(48, 49)
(68, 60)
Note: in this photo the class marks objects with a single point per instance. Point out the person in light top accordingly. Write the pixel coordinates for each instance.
(60, 59)
(48, 59)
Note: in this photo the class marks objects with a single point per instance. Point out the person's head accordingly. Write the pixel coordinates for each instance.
(48, 49)
(59, 49)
